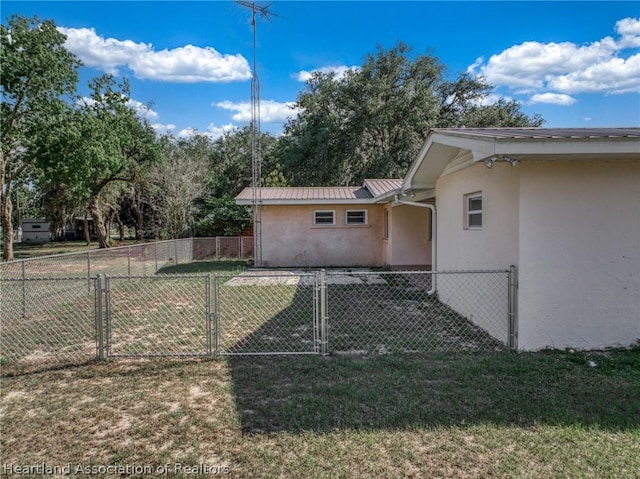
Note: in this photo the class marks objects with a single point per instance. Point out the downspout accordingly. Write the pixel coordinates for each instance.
(433, 235)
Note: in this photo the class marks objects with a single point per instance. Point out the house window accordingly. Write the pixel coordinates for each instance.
(473, 211)
(356, 217)
(324, 218)
(35, 227)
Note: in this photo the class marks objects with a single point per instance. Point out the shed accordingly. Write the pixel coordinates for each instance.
(35, 230)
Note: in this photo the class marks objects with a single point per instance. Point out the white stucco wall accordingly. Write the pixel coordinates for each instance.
(289, 238)
(579, 254)
(481, 298)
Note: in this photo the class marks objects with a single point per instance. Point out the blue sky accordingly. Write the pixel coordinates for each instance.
(575, 63)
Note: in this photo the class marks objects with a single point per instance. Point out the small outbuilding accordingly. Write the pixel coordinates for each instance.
(35, 230)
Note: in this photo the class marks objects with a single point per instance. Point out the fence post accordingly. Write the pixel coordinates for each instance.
(216, 306)
(129, 260)
(209, 314)
(513, 311)
(88, 272)
(155, 254)
(241, 252)
(24, 290)
(100, 317)
(218, 248)
(175, 247)
(324, 340)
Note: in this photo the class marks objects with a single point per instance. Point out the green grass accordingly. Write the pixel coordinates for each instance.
(500, 415)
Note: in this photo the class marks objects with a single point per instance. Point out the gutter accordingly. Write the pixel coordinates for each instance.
(433, 234)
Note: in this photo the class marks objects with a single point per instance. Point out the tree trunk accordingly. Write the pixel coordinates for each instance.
(136, 196)
(87, 233)
(7, 224)
(98, 221)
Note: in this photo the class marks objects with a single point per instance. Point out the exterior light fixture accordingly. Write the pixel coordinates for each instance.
(512, 161)
(489, 162)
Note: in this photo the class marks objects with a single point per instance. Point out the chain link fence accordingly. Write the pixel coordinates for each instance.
(66, 320)
(385, 312)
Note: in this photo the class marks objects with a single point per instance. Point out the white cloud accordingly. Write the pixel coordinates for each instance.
(270, 111)
(553, 98)
(629, 29)
(161, 128)
(143, 110)
(338, 71)
(213, 131)
(187, 64)
(565, 68)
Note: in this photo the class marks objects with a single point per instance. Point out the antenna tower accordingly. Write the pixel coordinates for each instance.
(256, 153)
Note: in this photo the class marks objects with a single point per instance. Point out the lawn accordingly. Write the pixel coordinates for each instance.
(463, 415)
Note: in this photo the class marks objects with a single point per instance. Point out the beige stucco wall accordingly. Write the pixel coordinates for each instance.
(289, 238)
(579, 254)
(409, 244)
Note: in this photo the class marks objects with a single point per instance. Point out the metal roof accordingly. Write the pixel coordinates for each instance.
(320, 194)
(542, 133)
(450, 149)
(381, 187)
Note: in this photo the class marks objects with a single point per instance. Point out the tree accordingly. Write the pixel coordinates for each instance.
(372, 122)
(177, 182)
(98, 144)
(36, 72)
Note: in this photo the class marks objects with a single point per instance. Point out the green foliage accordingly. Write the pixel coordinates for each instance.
(223, 218)
(100, 143)
(36, 72)
(373, 121)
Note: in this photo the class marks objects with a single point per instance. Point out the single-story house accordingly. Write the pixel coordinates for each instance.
(341, 226)
(35, 230)
(562, 205)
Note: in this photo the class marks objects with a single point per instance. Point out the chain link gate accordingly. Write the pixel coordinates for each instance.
(208, 315)
(258, 313)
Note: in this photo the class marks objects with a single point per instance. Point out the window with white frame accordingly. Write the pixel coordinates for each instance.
(324, 217)
(473, 211)
(355, 217)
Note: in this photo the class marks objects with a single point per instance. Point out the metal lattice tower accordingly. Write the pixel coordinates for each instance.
(256, 153)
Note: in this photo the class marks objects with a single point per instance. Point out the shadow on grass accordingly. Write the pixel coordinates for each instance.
(198, 267)
(423, 389)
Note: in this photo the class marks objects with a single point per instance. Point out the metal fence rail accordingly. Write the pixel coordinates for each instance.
(58, 321)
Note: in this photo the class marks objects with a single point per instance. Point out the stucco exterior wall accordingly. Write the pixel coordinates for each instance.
(579, 254)
(482, 299)
(409, 241)
(495, 245)
(290, 239)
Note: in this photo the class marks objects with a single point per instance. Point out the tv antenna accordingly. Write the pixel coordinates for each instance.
(256, 153)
